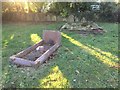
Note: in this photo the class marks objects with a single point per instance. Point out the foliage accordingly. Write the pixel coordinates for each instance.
(25, 7)
(83, 9)
(58, 8)
(107, 11)
(66, 8)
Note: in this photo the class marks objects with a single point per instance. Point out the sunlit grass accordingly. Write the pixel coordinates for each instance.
(108, 54)
(35, 38)
(11, 37)
(91, 72)
(5, 43)
(54, 80)
(98, 55)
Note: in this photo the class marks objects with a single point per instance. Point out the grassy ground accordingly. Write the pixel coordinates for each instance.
(81, 61)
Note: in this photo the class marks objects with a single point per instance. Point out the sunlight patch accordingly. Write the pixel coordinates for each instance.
(5, 44)
(54, 80)
(11, 37)
(93, 52)
(35, 38)
(108, 54)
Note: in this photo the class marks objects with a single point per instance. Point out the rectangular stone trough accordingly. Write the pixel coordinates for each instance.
(19, 59)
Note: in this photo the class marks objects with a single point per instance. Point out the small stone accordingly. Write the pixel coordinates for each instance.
(74, 80)
(77, 71)
(12, 82)
(22, 71)
(9, 66)
(5, 73)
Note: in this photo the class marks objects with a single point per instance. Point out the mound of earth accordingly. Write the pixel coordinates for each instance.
(36, 53)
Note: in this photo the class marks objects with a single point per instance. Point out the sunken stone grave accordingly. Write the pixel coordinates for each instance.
(83, 27)
(40, 52)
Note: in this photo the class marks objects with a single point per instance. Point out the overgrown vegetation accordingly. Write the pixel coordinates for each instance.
(73, 66)
(108, 11)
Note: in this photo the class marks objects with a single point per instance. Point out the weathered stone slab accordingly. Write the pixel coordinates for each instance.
(52, 35)
(70, 19)
(55, 36)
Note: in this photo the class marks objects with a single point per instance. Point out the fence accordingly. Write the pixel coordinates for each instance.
(32, 17)
(39, 17)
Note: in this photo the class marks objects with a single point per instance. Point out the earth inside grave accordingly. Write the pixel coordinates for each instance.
(36, 53)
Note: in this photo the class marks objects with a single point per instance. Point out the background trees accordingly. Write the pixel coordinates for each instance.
(25, 7)
(109, 11)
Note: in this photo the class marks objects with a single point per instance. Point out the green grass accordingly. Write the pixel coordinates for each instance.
(73, 66)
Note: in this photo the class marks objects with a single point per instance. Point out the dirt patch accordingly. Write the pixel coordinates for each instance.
(36, 53)
(85, 32)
